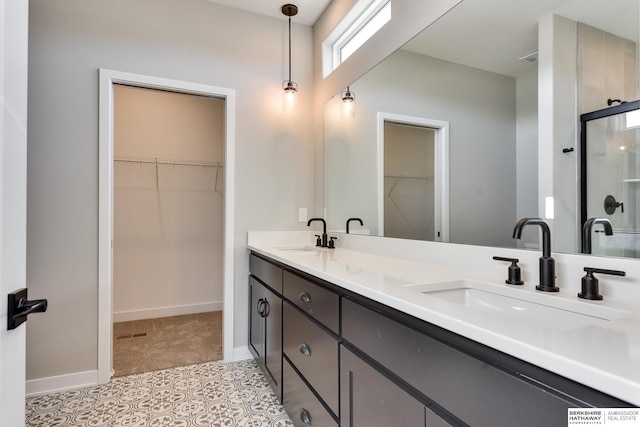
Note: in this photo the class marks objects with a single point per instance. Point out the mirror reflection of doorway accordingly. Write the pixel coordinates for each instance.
(409, 171)
(168, 229)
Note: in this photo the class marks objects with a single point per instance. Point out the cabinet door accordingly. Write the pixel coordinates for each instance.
(369, 399)
(256, 320)
(273, 340)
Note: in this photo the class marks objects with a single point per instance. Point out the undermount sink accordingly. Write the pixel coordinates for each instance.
(515, 304)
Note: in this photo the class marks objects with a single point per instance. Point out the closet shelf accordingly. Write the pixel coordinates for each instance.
(158, 161)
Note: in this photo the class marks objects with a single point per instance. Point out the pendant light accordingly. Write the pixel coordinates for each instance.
(348, 104)
(289, 86)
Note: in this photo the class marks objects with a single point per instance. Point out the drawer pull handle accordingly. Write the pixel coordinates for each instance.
(304, 349)
(263, 307)
(305, 416)
(305, 297)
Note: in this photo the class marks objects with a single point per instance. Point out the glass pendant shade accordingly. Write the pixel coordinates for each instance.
(348, 104)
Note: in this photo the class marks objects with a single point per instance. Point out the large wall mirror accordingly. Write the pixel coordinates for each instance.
(475, 123)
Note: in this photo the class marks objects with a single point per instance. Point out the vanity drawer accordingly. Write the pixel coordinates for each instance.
(476, 392)
(302, 406)
(268, 273)
(314, 352)
(316, 301)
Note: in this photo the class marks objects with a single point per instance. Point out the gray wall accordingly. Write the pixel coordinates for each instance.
(527, 154)
(191, 40)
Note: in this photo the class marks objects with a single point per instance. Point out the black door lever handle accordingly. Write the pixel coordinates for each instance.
(19, 307)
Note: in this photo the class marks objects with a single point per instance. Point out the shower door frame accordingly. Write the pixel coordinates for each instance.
(622, 108)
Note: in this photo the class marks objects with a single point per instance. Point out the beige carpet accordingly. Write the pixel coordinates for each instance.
(167, 342)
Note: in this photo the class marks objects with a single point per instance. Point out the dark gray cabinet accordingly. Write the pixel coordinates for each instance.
(310, 347)
(265, 321)
(303, 407)
(337, 358)
(256, 320)
(475, 388)
(317, 302)
(314, 353)
(367, 398)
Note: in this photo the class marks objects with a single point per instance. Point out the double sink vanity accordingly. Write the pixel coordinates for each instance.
(362, 335)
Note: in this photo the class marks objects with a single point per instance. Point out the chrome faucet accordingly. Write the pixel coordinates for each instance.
(323, 238)
(586, 232)
(547, 264)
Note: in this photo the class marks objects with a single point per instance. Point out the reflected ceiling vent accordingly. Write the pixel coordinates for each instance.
(532, 57)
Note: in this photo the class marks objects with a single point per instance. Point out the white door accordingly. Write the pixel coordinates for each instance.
(13, 201)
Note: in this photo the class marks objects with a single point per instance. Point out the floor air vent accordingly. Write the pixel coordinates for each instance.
(138, 335)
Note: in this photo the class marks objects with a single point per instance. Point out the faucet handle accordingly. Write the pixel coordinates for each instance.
(318, 240)
(332, 244)
(590, 287)
(514, 270)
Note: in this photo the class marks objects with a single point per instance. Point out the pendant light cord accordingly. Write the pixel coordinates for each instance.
(289, 46)
(290, 10)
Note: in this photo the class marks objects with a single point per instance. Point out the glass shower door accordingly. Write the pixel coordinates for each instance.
(611, 178)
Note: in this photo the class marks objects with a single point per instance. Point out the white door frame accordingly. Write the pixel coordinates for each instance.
(105, 205)
(441, 178)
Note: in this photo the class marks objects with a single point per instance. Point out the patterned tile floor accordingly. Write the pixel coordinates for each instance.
(208, 394)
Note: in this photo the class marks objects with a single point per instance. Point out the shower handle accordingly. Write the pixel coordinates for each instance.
(610, 205)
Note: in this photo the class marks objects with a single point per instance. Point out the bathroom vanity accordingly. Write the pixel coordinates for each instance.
(378, 341)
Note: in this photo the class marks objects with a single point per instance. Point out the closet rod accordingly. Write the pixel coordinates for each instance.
(170, 162)
(406, 176)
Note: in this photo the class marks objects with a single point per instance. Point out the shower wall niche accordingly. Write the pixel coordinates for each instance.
(168, 203)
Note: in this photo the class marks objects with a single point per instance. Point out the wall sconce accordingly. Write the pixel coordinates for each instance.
(289, 86)
(348, 104)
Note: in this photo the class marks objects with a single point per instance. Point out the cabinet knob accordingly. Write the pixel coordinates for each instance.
(305, 416)
(304, 349)
(305, 297)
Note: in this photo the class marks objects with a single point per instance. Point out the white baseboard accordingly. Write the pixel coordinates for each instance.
(78, 380)
(178, 310)
(61, 383)
(241, 353)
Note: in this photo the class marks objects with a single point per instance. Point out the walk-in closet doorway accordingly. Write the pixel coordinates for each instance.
(165, 224)
(168, 224)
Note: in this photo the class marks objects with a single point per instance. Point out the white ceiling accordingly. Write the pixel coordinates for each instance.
(493, 34)
(488, 34)
(308, 10)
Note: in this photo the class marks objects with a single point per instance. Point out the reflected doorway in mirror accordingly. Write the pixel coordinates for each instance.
(413, 185)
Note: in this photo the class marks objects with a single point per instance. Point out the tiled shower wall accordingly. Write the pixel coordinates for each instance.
(607, 68)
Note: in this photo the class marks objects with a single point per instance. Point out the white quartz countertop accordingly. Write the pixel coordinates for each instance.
(603, 354)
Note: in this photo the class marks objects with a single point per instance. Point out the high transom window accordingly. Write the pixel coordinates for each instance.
(358, 26)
